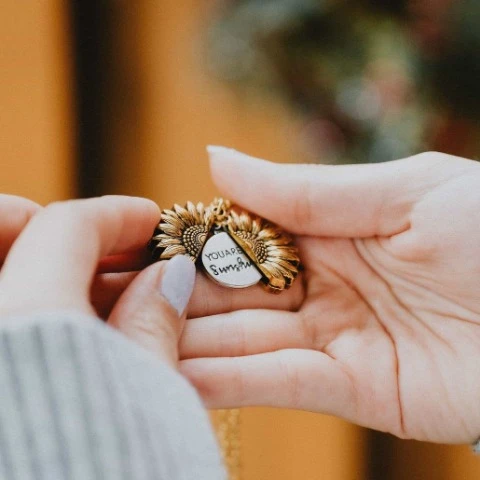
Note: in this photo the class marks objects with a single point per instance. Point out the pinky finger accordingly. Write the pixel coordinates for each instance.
(300, 379)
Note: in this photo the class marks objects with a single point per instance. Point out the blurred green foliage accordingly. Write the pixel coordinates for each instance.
(375, 79)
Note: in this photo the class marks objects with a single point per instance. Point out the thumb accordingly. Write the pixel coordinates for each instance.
(328, 200)
(152, 309)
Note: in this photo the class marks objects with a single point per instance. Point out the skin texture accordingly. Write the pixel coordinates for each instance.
(85, 256)
(54, 255)
(382, 327)
(385, 330)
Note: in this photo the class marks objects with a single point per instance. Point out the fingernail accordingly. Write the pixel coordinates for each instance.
(225, 154)
(178, 281)
(219, 150)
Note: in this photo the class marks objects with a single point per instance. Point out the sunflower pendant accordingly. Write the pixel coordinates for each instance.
(236, 250)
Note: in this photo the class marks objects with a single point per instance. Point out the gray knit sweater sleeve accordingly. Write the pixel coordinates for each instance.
(80, 401)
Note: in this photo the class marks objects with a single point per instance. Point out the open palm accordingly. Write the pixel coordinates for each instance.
(385, 327)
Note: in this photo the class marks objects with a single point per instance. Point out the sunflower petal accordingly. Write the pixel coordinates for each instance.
(194, 212)
(174, 220)
(166, 241)
(277, 242)
(172, 250)
(284, 253)
(185, 215)
(273, 269)
(257, 227)
(162, 236)
(171, 230)
(245, 222)
(285, 272)
(284, 264)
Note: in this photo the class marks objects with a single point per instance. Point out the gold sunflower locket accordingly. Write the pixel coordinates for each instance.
(235, 249)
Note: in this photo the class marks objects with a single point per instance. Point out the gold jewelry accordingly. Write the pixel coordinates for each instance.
(228, 427)
(236, 250)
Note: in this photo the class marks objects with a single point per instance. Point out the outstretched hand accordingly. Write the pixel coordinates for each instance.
(385, 330)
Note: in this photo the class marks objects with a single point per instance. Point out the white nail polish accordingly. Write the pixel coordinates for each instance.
(219, 150)
(178, 281)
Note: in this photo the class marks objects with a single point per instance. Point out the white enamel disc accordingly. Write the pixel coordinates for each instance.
(225, 262)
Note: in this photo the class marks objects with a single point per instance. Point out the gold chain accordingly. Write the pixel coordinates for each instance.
(228, 423)
(220, 209)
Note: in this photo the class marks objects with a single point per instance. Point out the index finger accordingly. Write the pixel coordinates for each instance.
(333, 200)
(53, 262)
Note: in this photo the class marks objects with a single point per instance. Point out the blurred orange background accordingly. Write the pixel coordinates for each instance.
(164, 108)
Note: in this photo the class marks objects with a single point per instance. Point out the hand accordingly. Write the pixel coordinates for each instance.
(387, 328)
(83, 255)
(53, 262)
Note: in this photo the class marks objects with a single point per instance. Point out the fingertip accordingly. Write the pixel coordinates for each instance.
(29, 205)
(221, 165)
(145, 204)
(236, 174)
(149, 205)
(152, 212)
(218, 150)
(220, 156)
(224, 155)
(28, 209)
(142, 214)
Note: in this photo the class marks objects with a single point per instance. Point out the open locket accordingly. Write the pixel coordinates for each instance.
(236, 250)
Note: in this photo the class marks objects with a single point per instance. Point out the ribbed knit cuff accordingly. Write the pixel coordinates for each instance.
(80, 401)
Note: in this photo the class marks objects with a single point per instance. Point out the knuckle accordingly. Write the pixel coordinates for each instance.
(291, 384)
(309, 329)
(233, 337)
(425, 246)
(239, 380)
(353, 394)
(205, 299)
(239, 338)
(149, 325)
(304, 206)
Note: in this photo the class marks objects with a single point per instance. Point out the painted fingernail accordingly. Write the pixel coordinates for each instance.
(178, 281)
(225, 154)
(218, 149)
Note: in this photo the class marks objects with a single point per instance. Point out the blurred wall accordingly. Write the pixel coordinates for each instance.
(36, 115)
